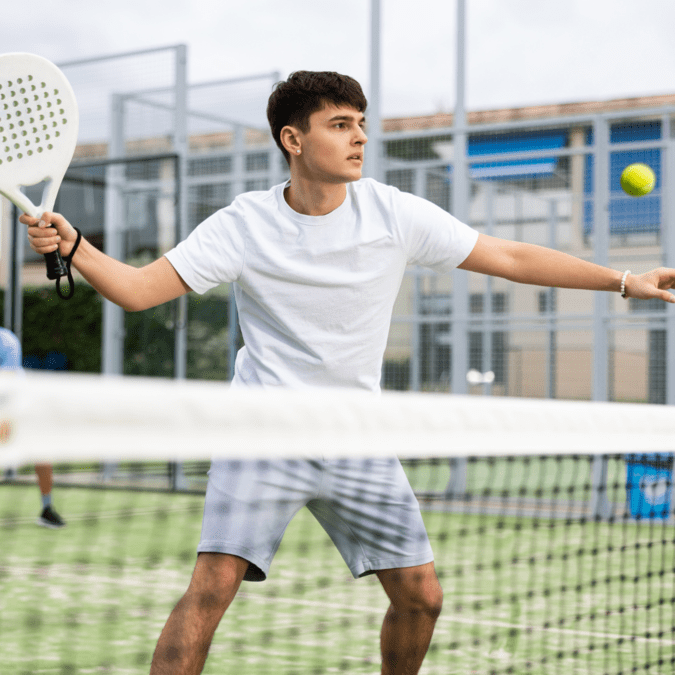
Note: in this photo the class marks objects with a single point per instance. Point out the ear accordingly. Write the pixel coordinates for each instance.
(290, 139)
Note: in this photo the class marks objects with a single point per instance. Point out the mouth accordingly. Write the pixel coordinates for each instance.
(358, 158)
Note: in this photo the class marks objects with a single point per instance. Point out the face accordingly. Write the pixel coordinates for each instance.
(331, 151)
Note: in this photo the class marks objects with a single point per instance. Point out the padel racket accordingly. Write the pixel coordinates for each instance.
(38, 134)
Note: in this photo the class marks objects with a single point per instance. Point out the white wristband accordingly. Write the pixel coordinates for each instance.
(623, 283)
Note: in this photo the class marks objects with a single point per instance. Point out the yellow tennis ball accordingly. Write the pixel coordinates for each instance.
(638, 180)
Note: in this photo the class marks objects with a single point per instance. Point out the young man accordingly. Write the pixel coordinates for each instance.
(317, 264)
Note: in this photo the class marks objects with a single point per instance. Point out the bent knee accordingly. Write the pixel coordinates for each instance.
(433, 602)
(428, 601)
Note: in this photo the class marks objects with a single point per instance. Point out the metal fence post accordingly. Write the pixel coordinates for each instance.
(668, 244)
(551, 308)
(112, 357)
(601, 256)
(460, 208)
(181, 146)
(374, 152)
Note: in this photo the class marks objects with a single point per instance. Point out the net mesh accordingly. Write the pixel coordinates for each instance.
(551, 560)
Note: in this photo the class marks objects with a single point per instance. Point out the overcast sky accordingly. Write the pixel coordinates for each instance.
(519, 52)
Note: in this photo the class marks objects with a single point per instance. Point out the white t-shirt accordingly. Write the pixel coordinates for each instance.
(315, 294)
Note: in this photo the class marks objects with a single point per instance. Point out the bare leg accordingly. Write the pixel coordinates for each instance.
(184, 643)
(416, 600)
(45, 478)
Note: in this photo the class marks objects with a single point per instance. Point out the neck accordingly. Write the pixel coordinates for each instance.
(312, 198)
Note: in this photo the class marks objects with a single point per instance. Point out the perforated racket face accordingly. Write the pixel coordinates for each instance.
(38, 128)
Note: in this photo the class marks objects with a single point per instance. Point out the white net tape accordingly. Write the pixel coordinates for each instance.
(59, 417)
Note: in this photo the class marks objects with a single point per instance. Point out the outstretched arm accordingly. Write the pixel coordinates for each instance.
(530, 264)
(132, 288)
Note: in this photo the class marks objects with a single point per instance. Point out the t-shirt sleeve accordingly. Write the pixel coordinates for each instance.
(433, 237)
(212, 254)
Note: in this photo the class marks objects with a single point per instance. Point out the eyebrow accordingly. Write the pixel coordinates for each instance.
(347, 118)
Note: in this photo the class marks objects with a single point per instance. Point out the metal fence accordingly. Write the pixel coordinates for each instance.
(554, 182)
(158, 155)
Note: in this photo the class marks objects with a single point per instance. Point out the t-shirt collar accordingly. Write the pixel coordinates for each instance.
(334, 215)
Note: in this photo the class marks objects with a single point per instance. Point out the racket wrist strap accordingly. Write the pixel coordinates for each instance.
(68, 260)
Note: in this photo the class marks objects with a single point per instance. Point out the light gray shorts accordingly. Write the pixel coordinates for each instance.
(367, 507)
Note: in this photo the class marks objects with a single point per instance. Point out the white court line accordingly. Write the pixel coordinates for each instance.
(263, 599)
(463, 620)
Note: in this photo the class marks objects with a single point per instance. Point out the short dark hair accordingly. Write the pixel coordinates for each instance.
(303, 93)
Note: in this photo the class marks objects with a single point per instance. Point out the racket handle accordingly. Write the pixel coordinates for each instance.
(56, 268)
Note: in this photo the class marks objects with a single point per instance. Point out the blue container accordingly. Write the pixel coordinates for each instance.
(649, 485)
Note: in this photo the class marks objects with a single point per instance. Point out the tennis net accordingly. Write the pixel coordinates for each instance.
(551, 524)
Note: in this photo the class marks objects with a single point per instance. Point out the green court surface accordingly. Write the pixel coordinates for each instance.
(521, 594)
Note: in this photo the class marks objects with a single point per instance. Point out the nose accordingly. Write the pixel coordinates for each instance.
(361, 138)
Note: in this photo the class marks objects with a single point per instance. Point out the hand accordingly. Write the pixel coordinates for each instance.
(652, 284)
(49, 233)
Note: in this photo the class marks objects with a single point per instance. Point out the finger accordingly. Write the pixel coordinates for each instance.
(46, 241)
(668, 297)
(57, 222)
(42, 250)
(28, 220)
(667, 279)
(44, 245)
(50, 218)
(39, 232)
(43, 238)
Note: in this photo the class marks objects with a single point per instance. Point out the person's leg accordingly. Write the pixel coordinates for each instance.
(184, 643)
(416, 599)
(48, 516)
(45, 479)
(247, 507)
(370, 511)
